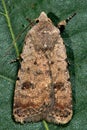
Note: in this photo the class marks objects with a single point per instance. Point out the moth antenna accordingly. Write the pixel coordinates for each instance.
(63, 23)
(70, 17)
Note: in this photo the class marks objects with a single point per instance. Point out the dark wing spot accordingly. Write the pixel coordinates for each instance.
(58, 85)
(18, 112)
(51, 62)
(65, 113)
(28, 70)
(58, 69)
(27, 85)
(35, 62)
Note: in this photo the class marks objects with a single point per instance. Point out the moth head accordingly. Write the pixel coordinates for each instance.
(42, 17)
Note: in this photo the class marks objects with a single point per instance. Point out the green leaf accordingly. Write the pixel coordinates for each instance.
(13, 14)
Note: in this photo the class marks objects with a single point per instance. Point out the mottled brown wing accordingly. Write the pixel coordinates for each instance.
(32, 92)
(43, 90)
(62, 109)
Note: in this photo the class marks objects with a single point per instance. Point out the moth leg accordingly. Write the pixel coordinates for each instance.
(62, 24)
(18, 59)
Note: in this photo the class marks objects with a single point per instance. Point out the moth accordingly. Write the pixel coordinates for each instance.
(43, 90)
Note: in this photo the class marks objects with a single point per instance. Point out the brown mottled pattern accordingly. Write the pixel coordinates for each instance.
(43, 90)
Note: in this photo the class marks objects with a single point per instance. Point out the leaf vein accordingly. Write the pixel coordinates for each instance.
(10, 28)
(6, 78)
(45, 125)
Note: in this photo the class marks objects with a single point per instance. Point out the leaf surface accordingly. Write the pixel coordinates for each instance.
(13, 14)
